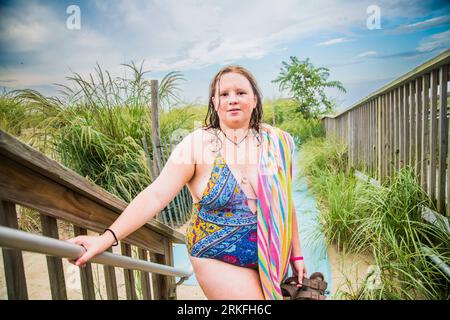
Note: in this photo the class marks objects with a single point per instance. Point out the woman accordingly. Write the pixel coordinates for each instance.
(243, 230)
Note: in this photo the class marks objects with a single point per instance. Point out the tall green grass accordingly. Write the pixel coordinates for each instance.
(282, 113)
(383, 221)
(97, 125)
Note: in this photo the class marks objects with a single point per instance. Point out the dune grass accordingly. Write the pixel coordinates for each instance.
(384, 221)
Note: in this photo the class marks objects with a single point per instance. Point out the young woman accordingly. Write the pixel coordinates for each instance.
(243, 230)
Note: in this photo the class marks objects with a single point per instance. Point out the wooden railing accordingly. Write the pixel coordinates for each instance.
(403, 123)
(30, 179)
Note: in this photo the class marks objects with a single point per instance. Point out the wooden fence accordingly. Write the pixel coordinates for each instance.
(30, 179)
(178, 211)
(405, 123)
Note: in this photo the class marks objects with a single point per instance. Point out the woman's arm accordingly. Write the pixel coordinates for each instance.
(298, 266)
(179, 169)
(296, 248)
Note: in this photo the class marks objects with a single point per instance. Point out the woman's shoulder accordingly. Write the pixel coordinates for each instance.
(275, 130)
(203, 134)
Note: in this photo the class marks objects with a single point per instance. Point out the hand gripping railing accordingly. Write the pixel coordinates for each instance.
(15, 239)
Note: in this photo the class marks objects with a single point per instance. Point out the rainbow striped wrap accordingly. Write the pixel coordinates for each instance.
(274, 209)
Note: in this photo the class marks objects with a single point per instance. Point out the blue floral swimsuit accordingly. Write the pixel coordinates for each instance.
(222, 225)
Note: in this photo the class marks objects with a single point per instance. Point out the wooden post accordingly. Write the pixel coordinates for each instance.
(130, 287)
(86, 276)
(381, 131)
(419, 125)
(425, 132)
(16, 283)
(396, 130)
(412, 126)
(145, 277)
(156, 138)
(443, 138)
(54, 264)
(401, 132)
(350, 138)
(406, 137)
(110, 281)
(391, 120)
(433, 136)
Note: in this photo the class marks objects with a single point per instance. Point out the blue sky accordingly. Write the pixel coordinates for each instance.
(198, 37)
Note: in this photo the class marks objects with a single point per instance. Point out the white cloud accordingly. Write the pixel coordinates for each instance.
(367, 54)
(28, 28)
(422, 25)
(334, 41)
(172, 35)
(439, 40)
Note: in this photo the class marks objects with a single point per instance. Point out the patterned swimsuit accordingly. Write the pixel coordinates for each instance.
(222, 225)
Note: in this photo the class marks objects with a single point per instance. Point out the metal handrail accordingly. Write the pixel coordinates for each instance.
(16, 239)
(436, 260)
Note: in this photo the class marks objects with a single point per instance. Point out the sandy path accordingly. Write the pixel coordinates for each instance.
(348, 271)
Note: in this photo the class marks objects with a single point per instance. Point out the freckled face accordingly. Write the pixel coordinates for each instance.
(237, 100)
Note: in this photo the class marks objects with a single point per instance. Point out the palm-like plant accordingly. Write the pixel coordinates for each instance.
(306, 84)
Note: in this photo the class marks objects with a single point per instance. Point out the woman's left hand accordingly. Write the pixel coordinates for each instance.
(299, 270)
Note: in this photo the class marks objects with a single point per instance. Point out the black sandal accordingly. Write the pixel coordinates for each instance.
(313, 288)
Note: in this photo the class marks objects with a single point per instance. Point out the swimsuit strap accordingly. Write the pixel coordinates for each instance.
(219, 154)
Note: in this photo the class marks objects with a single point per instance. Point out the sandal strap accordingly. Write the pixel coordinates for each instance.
(315, 284)
(289, 290)
(302, 295)
(291, 279)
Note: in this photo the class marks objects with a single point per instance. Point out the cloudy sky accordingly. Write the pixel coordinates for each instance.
(38, 49)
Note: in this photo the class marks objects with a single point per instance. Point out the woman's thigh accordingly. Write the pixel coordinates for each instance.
(220, 280)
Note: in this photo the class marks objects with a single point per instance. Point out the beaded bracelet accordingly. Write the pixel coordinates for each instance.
(117, 241)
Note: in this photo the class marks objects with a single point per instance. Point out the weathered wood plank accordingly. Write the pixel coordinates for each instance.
(16, 284)
(391, 120)
(412, 125)
(433, 136)
(145, 277)
(130, 286)
(156, 136)
(402, 126)
(406, 136)
(23, 186)
(163, 286)
(86, 275)
(54, 264)
(110, 281)
(379, 139)
(160, 291)
(350, 139)
(419, 126)
(28, 157)
(375, 138)
(443, 139)
(425, 132)
(396, 129)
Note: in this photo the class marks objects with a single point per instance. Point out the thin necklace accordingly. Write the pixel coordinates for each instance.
(234, 142)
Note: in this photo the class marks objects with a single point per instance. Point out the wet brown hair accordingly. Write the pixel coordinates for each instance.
(212, 118)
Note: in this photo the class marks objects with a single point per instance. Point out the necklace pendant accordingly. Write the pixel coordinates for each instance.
(244, 180)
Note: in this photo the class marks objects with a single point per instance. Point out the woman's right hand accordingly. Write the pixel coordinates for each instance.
(93, 246)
